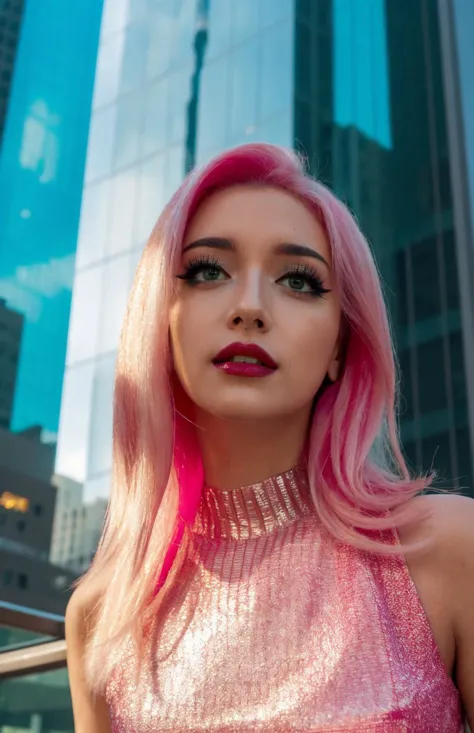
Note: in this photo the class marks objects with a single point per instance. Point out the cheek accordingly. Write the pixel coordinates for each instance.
(185, 337)
(311, 347)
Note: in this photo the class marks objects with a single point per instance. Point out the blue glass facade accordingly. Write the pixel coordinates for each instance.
(357, 87)
(177, 81)
(41, 175)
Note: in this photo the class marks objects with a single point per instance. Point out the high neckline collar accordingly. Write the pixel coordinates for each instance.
(255, 510)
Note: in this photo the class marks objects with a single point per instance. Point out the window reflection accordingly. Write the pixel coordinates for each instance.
(220, 26)
(272, 11)
(122, 212)
(244, 89)
(93, 226)
(101, 141)
(276, 83)
(129, 113)
(71, 459)
(244, 19)
(115, 16)
(150, 196)
(83, 329)
(117, 281)
(213, 108)
(180, 89)
(160, 26)
(174, 171)
(154, 135)
(135, 55)
(109, 65)
(100, 437)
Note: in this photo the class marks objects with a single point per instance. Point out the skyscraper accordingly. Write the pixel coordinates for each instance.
(357, 87)
(48, 52)
(11, 13)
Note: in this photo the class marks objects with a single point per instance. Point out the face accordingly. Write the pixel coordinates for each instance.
(255, 270)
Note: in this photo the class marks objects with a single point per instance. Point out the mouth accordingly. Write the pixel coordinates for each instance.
(245, 360)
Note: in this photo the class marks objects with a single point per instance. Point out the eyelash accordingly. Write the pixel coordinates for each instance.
(305, 272)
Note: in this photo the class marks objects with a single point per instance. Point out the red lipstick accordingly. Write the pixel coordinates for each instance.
(245, 360)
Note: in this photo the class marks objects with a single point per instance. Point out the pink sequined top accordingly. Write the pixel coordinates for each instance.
(273, 626)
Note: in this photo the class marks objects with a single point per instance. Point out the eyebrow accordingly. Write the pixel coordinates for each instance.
(286, 248)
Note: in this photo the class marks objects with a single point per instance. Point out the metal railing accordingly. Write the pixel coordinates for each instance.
(33, 655)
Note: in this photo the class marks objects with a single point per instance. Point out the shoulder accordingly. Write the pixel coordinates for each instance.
(80, 612)
(448, 523)
(445, 572)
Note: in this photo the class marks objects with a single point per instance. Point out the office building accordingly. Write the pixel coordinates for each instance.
(361, 89)
(27, 504)
(11, 13)
(77, 526)
(48, 52)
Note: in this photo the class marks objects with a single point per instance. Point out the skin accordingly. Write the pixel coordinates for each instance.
(253, 301)
(266, 420)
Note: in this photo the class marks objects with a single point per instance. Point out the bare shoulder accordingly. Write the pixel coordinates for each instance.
(448, 522)
(90, 710)
(80, 610)
(444, 576)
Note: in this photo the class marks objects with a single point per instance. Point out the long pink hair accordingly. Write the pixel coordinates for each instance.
(359, 481)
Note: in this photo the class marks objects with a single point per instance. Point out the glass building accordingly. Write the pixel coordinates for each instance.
(361, 88)
(48, 52)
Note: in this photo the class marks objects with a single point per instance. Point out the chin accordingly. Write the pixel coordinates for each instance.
(244, 409)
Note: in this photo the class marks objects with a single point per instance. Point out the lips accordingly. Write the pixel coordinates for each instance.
(238, 353)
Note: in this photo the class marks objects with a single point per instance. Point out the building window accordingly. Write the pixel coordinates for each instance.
(7, 577)
(22, 581)
(37, 510)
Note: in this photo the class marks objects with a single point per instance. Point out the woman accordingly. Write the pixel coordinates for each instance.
(250, 575)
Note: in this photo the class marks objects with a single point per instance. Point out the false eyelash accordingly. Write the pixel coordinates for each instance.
(312, 277)
(196, 264)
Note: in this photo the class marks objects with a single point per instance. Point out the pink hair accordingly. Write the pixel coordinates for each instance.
(157, 471)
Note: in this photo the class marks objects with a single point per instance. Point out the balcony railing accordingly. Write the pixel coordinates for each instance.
(34, 686)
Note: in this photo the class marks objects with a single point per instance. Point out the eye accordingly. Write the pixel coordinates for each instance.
(303, 280)
(203, 270)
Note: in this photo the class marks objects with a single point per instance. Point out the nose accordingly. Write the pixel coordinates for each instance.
(249, 311)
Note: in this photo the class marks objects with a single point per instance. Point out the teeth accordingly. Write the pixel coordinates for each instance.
(246, 360)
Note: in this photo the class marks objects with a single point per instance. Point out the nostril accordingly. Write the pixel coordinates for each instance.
(259, 323)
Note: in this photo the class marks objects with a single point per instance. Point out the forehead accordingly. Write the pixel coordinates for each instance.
(247, 213)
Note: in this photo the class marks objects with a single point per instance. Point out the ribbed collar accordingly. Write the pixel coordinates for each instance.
(255, 510)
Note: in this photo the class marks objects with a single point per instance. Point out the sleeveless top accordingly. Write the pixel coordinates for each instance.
(275, 626)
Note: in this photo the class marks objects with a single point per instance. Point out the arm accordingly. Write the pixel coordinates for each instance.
(461, 549)
(90, 715)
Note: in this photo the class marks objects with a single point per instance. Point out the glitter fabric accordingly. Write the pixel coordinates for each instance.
(273, 626)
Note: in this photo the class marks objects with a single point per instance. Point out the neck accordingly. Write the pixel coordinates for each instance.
(238, 453)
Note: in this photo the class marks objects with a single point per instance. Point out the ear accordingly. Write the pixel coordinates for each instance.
(333, 370)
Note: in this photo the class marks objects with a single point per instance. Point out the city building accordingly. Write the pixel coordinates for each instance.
(48, 52)
(362, 90)
(77, 527)
(11, 12)
(27, 504)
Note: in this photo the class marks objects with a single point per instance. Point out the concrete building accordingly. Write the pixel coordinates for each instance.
(77, 526)
(27, 502)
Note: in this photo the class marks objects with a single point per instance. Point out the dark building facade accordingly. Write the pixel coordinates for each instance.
(27, 502)
(11, 12)
(372, 121)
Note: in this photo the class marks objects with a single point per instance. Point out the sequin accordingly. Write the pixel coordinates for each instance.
(273, 626)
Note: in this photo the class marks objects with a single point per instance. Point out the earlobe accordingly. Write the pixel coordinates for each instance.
(333, 370)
